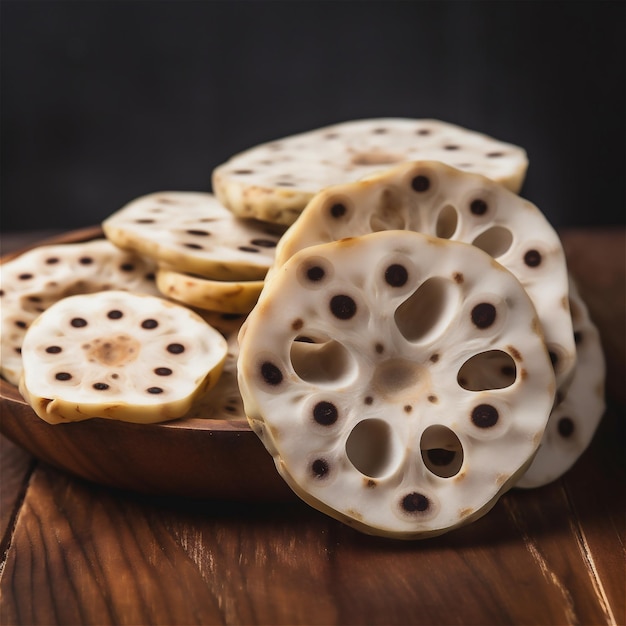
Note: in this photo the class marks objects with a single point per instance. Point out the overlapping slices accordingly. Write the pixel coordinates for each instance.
(118, 355)
(354, 370)
(207, 257)
(36, 279)
(578, 410)
(439, 200)
(193, 232)
(274, 181)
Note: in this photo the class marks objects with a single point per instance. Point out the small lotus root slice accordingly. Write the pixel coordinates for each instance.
(34, 280)
(354, 370)
(118, 355)
(193, 232)
(204, 293)
(274, 181)
(440, 200)
(575, 418)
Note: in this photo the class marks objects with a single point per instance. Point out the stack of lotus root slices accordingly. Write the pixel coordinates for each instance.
(397, 325)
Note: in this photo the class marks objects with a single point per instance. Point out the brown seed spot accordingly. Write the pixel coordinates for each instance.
(415, 503)
(20, 324)
(458, 277)
(78, 322)
(565, 427)
(114, 314)
(192, 246)
(149, 324)
(320, 468)
(408, 408)
(485, 416)
(379, 348)
(433, 398)
(338, 210)
(523, 374)
(434, 357)
(483, 315)
(63, 376)
(199, 233)
(144, 221)
(478, 206)
(154, 390)
(243, 172)
(370, 483)
(343, 307)
(451, 147)
(18, 350)
(25, 276)
(53, 349)
(396, 275)
(263, 243)
(248, 249)
(297, 324)
(420, 183)
(127, 267)
(100, 386)
(271, 374)
(175, 348)
(515, 353)
(163, 371)
(52, 260)
(532, 258)
(493, 155)
(85, 260)
(325, 413)
(368, 400)
(423, 131)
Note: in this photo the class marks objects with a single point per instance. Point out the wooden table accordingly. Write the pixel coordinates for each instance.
(79, 553)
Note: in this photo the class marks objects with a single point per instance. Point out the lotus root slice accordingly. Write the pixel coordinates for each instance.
(275, 180)
(367, 370)
(118, 355)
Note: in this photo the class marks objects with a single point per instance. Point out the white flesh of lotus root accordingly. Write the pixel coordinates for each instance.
(34, 280)
(439, 200)
(193, 232)
(349, 370)
(576, 416)
(118, 355)
(204, 293)
(274, 181)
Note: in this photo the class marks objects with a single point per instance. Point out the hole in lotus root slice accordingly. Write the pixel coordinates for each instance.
(442, 451)
(149, 365)
(56, 272)
(429, 310)
(361, 425)
(460, 206)
(494, 369)
(574, 420)
(212, 295)
(373, 448)
(194, 233)
(249, 182)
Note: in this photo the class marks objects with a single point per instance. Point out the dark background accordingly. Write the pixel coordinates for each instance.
(103, 101)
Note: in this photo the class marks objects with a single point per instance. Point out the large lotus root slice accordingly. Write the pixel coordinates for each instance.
(118, 355)
(274, 181)
(212, 295)
(578, 411)
(193, 232)
(440, 200)
(33, 281)
(358, 366)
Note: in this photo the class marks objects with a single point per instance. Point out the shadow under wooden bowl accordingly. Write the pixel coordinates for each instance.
(195, 458)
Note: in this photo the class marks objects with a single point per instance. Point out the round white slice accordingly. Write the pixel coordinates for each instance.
(274, 181)
(34, 280)
(352, 368)
(440, 200)
(193, 232)
(118, 355)
(204, 293)
(575, 418)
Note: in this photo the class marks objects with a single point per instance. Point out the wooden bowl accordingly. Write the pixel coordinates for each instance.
(197, 458)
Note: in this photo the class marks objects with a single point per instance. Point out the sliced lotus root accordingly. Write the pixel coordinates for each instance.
(353, 369)
(118, 355)
(274, 181)
(575, 418)
(204, 293)
(33, 281)
(439, 200)
(193, 232)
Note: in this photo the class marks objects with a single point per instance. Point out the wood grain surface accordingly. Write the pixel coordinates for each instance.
(74, 552)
